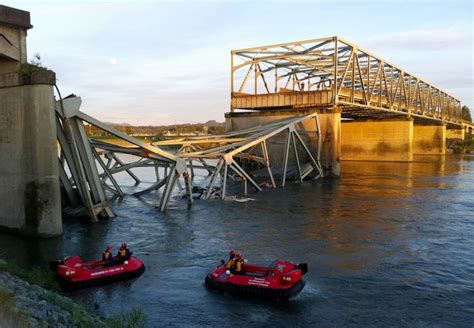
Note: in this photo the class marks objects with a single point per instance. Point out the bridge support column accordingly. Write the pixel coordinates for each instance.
(455, 134)
(429, 139)
(330, 125)
(377, 140)
(29, 178)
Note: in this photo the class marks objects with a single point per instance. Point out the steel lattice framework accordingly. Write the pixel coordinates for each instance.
(334, 72)
(87, 166)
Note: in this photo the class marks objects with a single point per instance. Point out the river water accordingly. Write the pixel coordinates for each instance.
(388, 244)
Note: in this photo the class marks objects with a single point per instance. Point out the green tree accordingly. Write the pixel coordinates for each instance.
(466, 113)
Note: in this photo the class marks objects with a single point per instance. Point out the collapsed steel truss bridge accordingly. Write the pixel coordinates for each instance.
(87, 166)
(324, 73)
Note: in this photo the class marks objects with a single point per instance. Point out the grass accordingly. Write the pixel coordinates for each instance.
(136, 318)
(82, 319)
(36, 275)
(80, 316)
(35, 65)
(9, 315)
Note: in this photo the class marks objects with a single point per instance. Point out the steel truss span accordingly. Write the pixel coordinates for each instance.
(334, 72)
(83, 185)
(252, 145)
(87, 166)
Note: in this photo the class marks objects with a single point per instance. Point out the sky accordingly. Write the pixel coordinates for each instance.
(168, 62)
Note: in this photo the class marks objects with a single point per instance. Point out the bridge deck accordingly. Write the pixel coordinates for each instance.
(332, 72)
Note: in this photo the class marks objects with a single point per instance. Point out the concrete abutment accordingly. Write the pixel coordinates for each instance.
(29, 180)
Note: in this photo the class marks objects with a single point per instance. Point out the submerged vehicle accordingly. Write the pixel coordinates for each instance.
(281, 280)
(72, 272)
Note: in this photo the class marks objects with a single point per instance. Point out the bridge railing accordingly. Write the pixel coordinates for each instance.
(310, 71)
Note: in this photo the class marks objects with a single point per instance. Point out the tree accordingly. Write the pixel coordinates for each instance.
(466, 114)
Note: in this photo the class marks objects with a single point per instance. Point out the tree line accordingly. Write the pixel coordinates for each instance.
(180, 129)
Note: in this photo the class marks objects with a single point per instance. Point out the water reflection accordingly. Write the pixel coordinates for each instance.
(387, 244)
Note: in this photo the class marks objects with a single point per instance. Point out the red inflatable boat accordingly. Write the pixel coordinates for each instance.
(72, 272)
(281, 280)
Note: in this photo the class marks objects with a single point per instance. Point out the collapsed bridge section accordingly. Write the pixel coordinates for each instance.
(88, 167)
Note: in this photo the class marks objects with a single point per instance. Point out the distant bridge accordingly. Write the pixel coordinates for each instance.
(329, 72)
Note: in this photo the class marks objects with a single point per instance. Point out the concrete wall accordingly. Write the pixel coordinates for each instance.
(377, 140)
(14, 54)
(330, 124)
(455, 134)
(29, 183)
(13, 26)
(429, 139)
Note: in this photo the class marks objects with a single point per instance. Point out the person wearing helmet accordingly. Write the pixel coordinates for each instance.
(107, 257)
(123, 253)
(231, 261)
(239, 260)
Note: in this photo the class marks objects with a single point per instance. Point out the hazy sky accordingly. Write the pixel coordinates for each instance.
(166, 62)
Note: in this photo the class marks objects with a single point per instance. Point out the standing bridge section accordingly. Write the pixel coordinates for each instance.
(330, 72)
(377, 111)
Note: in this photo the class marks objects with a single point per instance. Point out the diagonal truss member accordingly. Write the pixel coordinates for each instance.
(252, 145)
(85, 186)
(79, 177)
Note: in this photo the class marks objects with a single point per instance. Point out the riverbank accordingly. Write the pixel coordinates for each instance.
(463, 147)
(26, 304)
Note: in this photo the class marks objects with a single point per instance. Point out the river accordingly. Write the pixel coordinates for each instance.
(387, 244)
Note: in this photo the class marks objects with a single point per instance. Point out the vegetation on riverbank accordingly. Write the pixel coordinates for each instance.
(18, 296)
(81, 317)
(10, 316)
(160, 132)
(465, 147)
(36, 275)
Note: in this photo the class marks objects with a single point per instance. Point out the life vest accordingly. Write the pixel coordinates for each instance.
(238, 265)
(122, 253)
(230, 263)
(106, 255)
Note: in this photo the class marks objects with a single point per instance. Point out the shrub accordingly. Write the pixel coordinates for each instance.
(34, 65)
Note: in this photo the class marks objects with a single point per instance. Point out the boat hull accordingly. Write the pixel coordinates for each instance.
(67, 283)
(246, 290)
(73, 273)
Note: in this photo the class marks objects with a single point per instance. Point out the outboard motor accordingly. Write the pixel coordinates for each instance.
(53, 265)
(303, 267)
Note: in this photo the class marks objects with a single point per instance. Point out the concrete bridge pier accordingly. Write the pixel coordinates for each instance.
(387, 140)
(29, 183)
(330, 125)
(429, 139)
(455, 134)
(29, 179)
